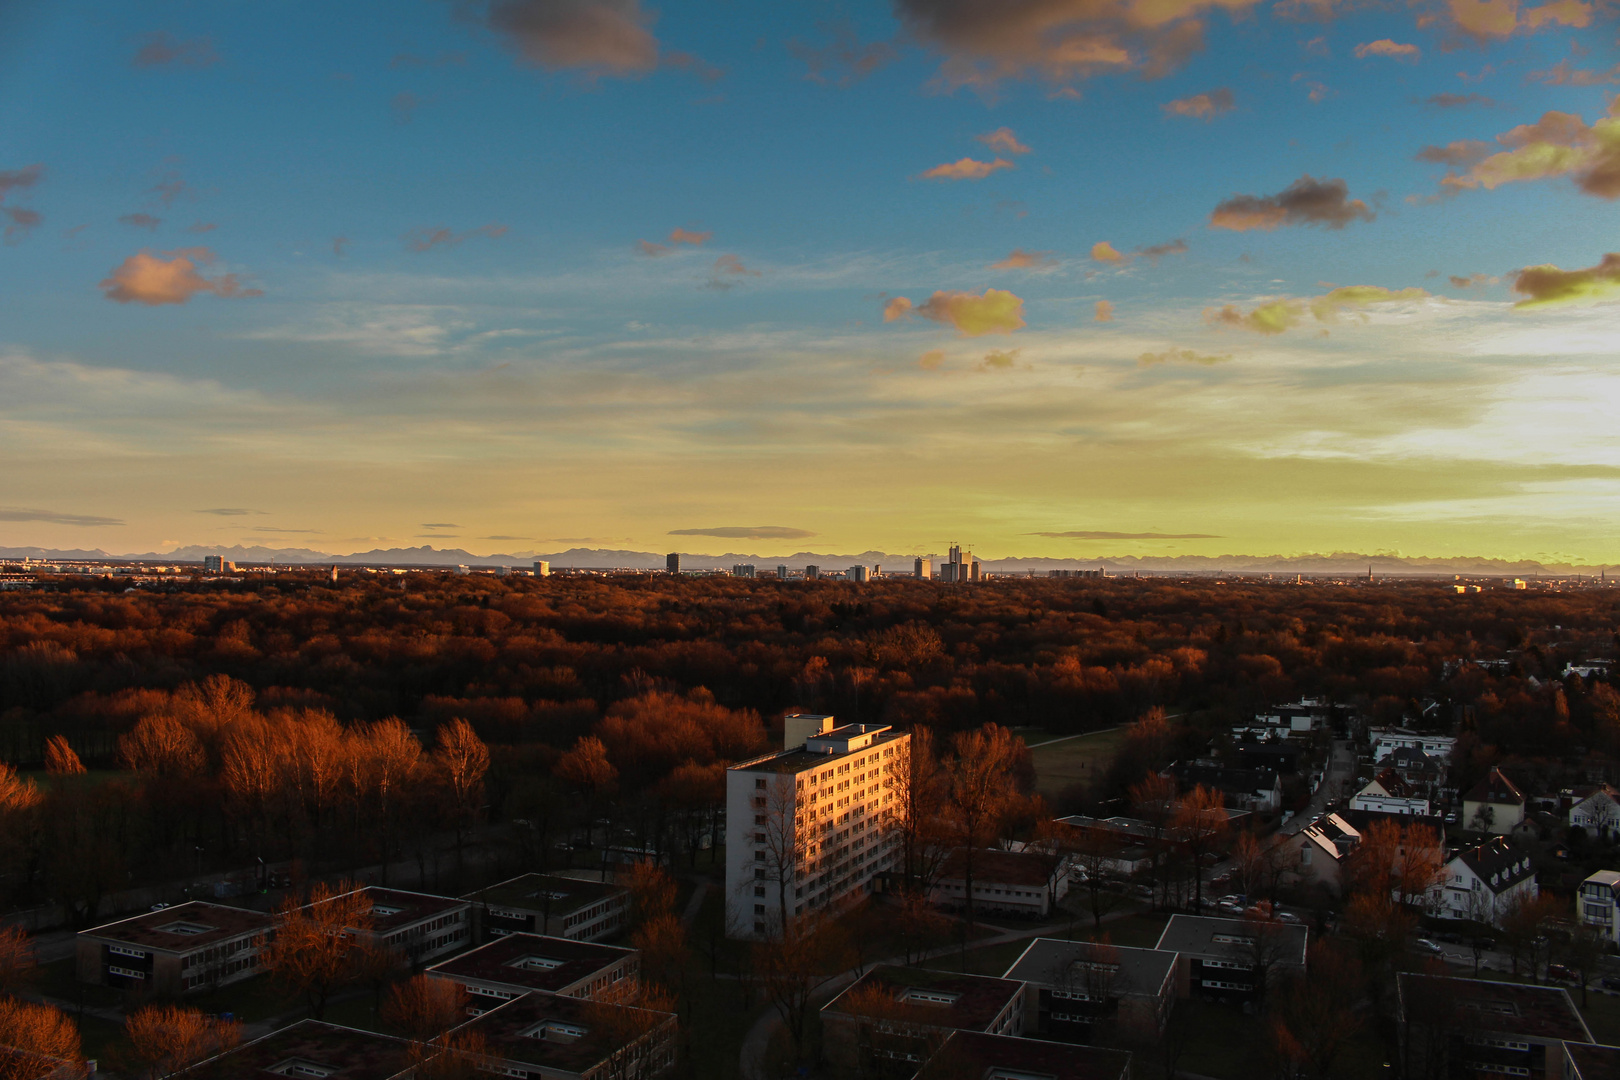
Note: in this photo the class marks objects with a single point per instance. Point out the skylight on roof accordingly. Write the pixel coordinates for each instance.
(303, 1067)
(557, 1031)
(187, 928)
(536, 963)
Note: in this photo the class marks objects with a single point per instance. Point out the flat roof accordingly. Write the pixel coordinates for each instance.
(528, 892)
(184, 927)
(1201, 935)
(412, 907)
(590, 1031)
(502, 961)
(801, 760)
(351, 1054)
(1052, 962)
(1539, 1012)
(975, 1000)
(972, 1055)
(1592, 1061)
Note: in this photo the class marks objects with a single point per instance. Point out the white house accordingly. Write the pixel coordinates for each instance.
(1385, 741)
(1598, 813)
(1389, 794)
(1482, 883)
(1600, 902)
(1494, 805)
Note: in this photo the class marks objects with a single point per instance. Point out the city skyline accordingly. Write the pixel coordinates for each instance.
(1178, 279)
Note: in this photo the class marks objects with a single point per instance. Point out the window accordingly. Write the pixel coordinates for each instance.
(556, 1031)
(759, 890)
(759, 909)
(186, 928)
(759, 785)
(302, 1067)
(919, 996)
(536, 963)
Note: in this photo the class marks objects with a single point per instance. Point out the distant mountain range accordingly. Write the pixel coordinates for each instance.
(1336, 563)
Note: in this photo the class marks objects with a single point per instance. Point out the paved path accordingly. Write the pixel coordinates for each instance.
(1066, 738)
(758, 1040)
(695, 905)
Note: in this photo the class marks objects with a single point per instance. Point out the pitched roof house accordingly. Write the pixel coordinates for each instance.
(1483, 882)
(1494, 805)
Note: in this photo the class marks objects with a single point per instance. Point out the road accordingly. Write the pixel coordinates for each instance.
(1341, 768)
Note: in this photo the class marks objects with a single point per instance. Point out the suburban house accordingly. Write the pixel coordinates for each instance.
(1305, 715)
(545, 1037)
(1415, 767)
(1318, 851)
(1026, 883)
(174, 950)
(1385, 741)
(1599, 900)
(518, 964)
(416, 926)
(1388, 793)
(972, 1055)
(1483, 882)
(1485, 1028)
(312, 1050)
(551, 905)
(1233, 958)
(1598, 812)
(1075, 988)
(1494, 805)
(905, 1014)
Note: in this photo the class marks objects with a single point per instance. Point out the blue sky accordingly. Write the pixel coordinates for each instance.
(361, 268)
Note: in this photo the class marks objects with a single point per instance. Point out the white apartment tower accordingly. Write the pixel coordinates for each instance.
(808, 827)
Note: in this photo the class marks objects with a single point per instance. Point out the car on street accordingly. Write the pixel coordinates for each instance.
(1288, 917)
(1560, 973)
(1424, 945)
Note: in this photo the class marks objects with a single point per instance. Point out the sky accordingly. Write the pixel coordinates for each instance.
(1064, 278)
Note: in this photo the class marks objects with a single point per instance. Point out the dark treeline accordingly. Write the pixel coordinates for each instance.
(279, 699)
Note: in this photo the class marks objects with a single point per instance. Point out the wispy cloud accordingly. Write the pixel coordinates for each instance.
(162, 49)
(966, 169)
(1206, 106)
(1307, 201)
(747, 532)
(231, 511)
(427, 238)
(1096, 534)
(53, 517)
(843, 61)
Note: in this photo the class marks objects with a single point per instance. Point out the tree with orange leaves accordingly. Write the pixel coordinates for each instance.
(1153, 799)
(980, 793)
(463, 761)
(424, 1008)
(35, 1029)
(1199, 826)
(165, 1039)
(313, 950)
(60, 760)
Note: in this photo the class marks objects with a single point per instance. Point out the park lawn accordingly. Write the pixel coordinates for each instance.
(1062, 765)
(1139, 931)
(101, 1040)
(58, 980)
(984, 960)
(252, 1001)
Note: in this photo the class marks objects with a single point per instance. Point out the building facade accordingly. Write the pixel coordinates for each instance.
(550, 904)
(808, 827)
(1599, 900)
(173, 951)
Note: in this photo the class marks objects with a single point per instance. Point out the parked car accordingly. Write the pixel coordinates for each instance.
(1560, 973)
(1451, 817)
(1424, 945)
(1610, 982)
(1288, 917)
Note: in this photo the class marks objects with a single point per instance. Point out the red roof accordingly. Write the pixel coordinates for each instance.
(1495, 788)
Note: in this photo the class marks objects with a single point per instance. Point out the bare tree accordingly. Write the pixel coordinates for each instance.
(314, 949)
(791, 968)
(463, 761)
(1199, 827)
(18, 966)
(166, 1039)
(981, 788)
(424, 1008)
(60, 760)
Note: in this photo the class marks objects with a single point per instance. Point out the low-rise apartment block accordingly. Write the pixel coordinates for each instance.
(1484, 1028)
(312, 1050)
(545, 1037)
(1079, 991)
(899, 1014)
(971, 1055)
(550, 905)
(518, 964)
(1025, 883)
(1233, 958)
(808, 828)
(419, 928)
(175, 950)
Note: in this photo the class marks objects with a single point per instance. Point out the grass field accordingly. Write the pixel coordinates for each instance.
(1062, 764)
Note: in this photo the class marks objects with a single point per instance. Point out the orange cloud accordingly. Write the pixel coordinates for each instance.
(985, 41)
(727, 268)
(1560, 13)
(1460, 152)
(1550, 287)
(1306, 201)
(1202, 106)
(1104, 312)
(1003, 141)
(686, 236)
(898, 308)
(932, 360)
(1485, 18)
(149, 279)
(20, 221)
(599, 37)
(650, 249)
(966, 169)
(1026, 260)
(1155, 252)
(1386, 47)
(844, 52)
(1104, 252)
(1180, 356)
(1559, 144)
(995, 311)
(1276, 316)
(1565, 73)
(141, 221)
(1000, 361)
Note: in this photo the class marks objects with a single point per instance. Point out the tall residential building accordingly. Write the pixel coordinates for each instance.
(961, 567)
(858, 573)
(781, 573)
(672, 562)
(811, 573)
(213, 564)
(542, 568)
(923, 569)
(743, 570)
(808, 827)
